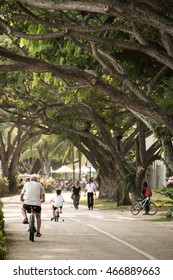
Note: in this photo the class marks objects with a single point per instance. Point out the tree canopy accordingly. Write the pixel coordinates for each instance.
(96, 71)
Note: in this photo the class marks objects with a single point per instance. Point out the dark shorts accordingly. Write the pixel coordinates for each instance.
(37, 209)
(57, 207)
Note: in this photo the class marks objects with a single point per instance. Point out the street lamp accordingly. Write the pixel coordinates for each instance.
(119, 137)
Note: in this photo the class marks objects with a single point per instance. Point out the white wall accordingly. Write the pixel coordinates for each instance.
(156, 173)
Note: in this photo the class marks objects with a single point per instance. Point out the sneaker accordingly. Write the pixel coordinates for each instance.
(25, 221)
(38, 234)
(52, 218)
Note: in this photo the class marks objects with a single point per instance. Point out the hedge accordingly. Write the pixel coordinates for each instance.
(3, 252)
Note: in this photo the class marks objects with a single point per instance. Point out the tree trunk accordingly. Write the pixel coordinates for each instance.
(140, 160)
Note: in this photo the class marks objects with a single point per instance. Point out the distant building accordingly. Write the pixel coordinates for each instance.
(156, 173)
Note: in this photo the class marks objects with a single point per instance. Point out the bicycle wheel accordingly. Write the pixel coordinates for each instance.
(135, 208)
(31, 228)
(152, 208)
(56, 216)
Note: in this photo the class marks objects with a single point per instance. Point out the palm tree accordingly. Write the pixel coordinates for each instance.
(51, 149)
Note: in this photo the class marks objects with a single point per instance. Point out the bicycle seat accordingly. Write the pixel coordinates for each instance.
(31, 208)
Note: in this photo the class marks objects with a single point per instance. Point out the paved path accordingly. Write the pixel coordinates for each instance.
(87, 235)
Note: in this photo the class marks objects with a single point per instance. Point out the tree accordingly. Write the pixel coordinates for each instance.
(112, 49)
(132, 35)
(12, 140)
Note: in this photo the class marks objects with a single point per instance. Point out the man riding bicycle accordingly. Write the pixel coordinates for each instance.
(32, 191)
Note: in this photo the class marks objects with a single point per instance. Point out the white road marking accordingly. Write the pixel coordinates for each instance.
(148, 256)
(124, 243)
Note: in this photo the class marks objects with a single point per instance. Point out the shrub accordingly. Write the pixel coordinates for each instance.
(48, 188)
(167, 191)
(2, 236)
(4, 188)
(169, 213)
(3, 253)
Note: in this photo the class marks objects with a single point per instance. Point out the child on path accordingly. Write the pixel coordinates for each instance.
(57, 202)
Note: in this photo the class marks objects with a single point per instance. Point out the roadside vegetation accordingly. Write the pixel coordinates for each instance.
(3, 191)
(164, 204)
(2, 235)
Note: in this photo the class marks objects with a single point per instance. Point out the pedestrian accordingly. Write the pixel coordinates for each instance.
(57, 203)
(147, 193)
(21, 184)
(90, 189)
(30, 195)
(76, 189)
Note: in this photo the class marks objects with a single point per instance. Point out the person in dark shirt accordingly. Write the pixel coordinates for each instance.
(76, 189)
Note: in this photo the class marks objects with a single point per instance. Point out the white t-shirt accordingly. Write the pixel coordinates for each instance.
(32, 191)
(58, 200)
(90, 187)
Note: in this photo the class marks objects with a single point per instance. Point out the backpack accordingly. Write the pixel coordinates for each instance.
(151, 192)
(148, 192)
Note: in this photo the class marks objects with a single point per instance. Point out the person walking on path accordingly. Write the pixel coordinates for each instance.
(76, 189)
(90, 188)
(30, 195)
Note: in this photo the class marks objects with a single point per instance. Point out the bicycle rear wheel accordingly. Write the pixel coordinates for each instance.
(56, 216)
(31, 228)
(135, 208)
(152, 208)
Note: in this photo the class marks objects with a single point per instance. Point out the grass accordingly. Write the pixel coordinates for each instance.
(163, 203)
(102, 203)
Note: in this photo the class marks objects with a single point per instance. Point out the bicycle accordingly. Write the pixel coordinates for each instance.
(137, 206)
(32, 228)
(57, 215)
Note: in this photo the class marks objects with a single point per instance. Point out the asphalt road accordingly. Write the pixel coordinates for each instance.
(87, 235)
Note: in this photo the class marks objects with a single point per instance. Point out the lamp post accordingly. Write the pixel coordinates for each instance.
(119, 137)
(89, 171)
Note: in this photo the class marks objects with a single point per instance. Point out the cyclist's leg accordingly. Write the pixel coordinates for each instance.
(60, 209)
(54, 208)
(54, 212)
(25, 209)
(38, 218)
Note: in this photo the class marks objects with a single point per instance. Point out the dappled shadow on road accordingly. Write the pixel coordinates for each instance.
(85, 234)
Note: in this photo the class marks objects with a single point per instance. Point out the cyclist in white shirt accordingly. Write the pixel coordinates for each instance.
(57, 203)
(30, 195)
